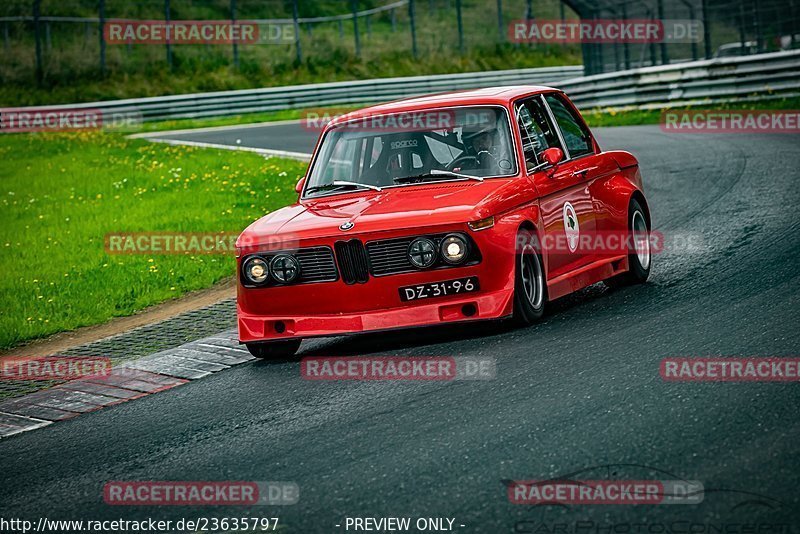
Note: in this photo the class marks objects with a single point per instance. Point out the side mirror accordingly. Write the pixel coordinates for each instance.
(553, 155)
(300, 184)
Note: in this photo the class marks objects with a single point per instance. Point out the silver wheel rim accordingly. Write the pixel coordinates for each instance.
(641, 239)
(532, 277)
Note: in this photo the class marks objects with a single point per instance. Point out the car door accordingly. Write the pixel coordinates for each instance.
(564, 200)
(586, 163)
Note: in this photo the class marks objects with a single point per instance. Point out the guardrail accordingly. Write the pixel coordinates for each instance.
(699, 82)
(753, 77)
(228, 103)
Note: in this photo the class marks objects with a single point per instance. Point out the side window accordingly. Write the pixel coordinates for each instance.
(576, 135)
(536, 130)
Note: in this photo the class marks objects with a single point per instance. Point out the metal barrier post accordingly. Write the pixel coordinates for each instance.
(626, 52)
(169, 48)
(235, 45)
(101, 11)
(706, 29)
(354, 6)
(460, 27)
(413, 28)
(297, 49)
(500, 31)
(37, 5)
(663, 45)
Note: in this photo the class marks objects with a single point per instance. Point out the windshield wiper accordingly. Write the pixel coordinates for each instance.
(340, 184)
(435, 173)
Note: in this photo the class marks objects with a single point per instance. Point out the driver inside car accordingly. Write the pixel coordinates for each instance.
(482, 146)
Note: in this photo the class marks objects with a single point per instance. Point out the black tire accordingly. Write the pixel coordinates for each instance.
(530, 281)
(274, 349)
(639, 264)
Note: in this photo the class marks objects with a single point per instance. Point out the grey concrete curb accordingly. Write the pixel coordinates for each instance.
(131, 380)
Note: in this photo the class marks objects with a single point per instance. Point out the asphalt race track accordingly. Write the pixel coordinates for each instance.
(577, 395)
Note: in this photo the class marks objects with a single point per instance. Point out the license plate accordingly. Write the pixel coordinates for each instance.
(439, 289)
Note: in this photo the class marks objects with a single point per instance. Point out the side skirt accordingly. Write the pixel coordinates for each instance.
(584, 276)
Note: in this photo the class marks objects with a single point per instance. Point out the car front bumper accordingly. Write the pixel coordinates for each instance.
(337, 308)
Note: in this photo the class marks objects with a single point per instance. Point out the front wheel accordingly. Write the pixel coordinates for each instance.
(530, 286)
(640, 257)
(274, 349)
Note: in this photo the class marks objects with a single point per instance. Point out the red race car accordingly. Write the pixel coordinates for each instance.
(465, 206)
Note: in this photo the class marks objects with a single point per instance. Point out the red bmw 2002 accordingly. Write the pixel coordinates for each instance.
(453, 207)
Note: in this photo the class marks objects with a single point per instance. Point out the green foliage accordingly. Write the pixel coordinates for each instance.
(61, 195)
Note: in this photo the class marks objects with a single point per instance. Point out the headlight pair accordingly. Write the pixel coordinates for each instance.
(422, 252)
(283, 268)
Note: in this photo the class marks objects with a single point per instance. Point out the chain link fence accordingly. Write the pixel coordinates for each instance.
(727, 28)
(50, 40)
(57, 42)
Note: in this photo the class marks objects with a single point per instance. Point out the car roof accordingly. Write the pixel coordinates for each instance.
(486, 96)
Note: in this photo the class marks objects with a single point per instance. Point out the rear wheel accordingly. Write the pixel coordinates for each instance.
(274, 349)
(640, 258)
(530, 287)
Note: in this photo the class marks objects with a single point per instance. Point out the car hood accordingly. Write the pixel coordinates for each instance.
(373, 211)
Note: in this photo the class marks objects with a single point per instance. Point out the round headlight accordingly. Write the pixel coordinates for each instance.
(422, 253)
(284, 268)
(454, 249)
(255, 270)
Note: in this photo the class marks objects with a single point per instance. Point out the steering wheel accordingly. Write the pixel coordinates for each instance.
(455, 163)
(488, 154)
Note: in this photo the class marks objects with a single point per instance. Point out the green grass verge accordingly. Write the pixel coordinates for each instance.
(62, 193)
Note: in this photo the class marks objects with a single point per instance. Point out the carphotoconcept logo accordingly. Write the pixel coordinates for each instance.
(398, 368)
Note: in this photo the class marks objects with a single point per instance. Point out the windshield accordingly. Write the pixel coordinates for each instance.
(412, 147)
